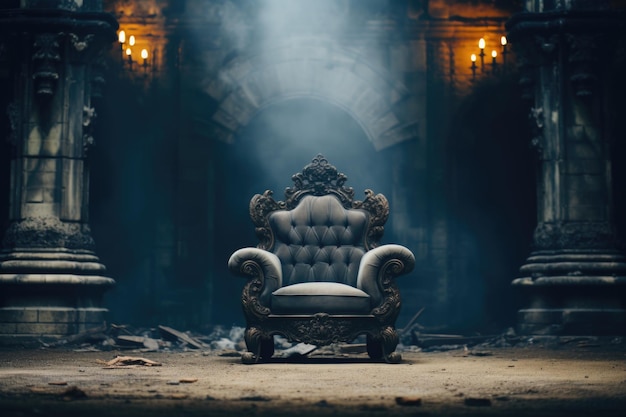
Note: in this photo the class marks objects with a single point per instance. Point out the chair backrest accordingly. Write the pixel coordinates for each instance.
(319, 240)
(319, 232)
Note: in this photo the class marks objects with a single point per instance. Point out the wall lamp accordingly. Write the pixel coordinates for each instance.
(482, 44)
(127, 52)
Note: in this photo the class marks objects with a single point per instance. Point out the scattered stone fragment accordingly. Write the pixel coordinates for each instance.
(298, 350)
(480, 353)
(477, 402)
(151, 344)
(255, 398)
(353, 348)
(409, 401)
(230, 353)
(130, 340)
(188, 380)
(193, 343)
(128, 361)
(72, 393)
(57, 383)
(172, 382)
(179, 396)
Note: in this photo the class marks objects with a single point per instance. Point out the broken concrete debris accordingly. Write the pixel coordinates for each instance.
(224, 341)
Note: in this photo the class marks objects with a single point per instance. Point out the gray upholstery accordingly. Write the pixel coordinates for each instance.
(319, 240)
(315, 297)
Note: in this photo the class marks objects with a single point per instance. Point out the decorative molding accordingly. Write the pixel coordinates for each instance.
(89, 116)
(49, 233)
(319, 178)
(378, 207)
(388, 310)
(81, 45)
(583, 60)
(537, 122)
(46, 58)
(574, 235)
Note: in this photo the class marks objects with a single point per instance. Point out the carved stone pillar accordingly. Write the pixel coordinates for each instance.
(575, 278)
(51, 281)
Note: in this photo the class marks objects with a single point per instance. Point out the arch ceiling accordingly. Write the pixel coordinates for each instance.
(313, 68)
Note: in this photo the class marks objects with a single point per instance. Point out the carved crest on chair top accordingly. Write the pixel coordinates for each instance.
(319, 178)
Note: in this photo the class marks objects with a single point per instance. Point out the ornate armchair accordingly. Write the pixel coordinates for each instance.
(318, 274)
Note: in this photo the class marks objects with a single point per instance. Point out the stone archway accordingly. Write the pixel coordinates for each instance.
(316, 68)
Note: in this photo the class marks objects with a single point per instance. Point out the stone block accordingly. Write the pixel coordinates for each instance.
(34, 195)
(45, 328)
(41, 164)
(59, 315)
(587, 213)
(8, 328)
(14, 315)
(90, 315)
(40, 179)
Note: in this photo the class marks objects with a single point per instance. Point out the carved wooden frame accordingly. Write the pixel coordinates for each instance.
(320, 178)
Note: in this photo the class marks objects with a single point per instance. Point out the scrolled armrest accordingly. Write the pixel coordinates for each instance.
(379, 265)
(258, 263)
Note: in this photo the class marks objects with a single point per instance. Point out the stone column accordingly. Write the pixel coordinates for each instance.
(575, 278)
(51, 281)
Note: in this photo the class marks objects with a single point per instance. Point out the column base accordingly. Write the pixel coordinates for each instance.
(573, 292)
(571, 322)
(47, 295)
(573, 305)
(34, 325)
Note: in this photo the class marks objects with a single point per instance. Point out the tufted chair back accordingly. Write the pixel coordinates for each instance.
(319, 240)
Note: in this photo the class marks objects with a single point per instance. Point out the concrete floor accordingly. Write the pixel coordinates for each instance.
(567, 379)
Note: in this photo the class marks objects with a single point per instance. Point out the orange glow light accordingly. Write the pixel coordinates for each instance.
(128, 51)
(473, 57)
(494, 54)
(131, 40)
(503, 40)
(481, 43)
(121, 37)
(144, 53)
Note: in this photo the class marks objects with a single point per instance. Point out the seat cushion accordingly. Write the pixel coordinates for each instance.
(320, 297)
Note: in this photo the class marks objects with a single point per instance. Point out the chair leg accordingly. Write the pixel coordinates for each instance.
(260, 347)
(267, 347)
(390, 341)
(374, 348)
(252, 337)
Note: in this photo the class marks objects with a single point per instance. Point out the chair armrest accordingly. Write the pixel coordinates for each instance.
(379, 266)
(261, 264)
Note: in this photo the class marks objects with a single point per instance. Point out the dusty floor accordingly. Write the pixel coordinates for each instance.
(574, 379)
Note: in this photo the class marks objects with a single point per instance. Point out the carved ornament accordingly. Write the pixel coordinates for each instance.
(46, 59)
(574, 235)
(48, 232)
(319, 178)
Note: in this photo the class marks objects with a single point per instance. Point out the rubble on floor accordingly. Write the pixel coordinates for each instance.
(223, 341)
